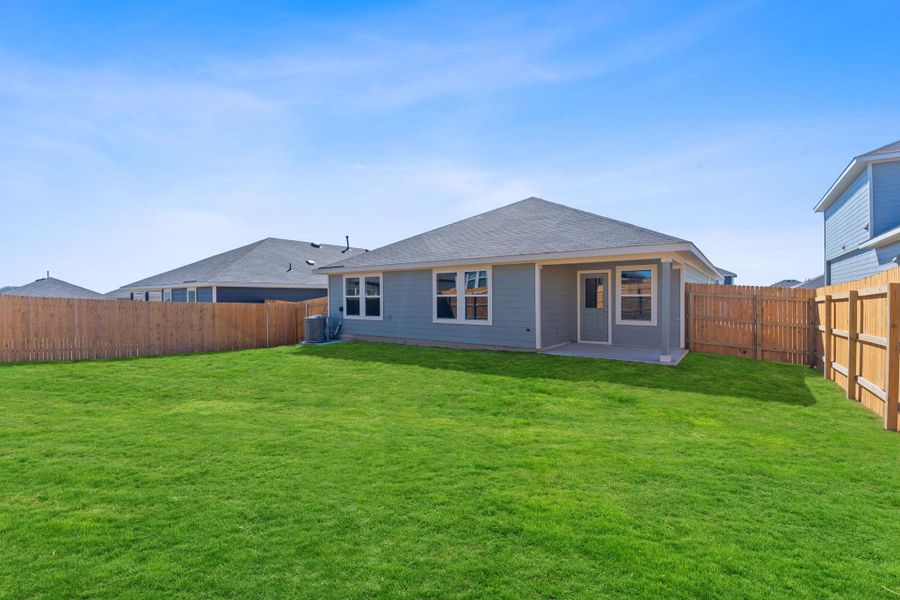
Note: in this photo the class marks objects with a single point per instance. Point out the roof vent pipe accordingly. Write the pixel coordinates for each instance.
(346, 237)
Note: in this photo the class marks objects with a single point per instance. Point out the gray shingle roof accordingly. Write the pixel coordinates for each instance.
(262, 262)
(50, 287)
(785, 283)
(888, 149)
(726, 272)
(530, 226)
(813, 282)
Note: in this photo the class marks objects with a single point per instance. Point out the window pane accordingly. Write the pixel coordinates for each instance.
(636, 282)
(446, 307)
(352, 284)
(594, 292)
(636, 308)
(476, 283)
(477, 308)
(192, 295)
(373, 286)
(353, 307)
(446, 284)
(373, 307)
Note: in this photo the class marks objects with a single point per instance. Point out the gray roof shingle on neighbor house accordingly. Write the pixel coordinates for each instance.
(528, 227)
(785, 283)
(50, 287)
(813, 282)
(726, 272)
(264, 262)
(886, 149)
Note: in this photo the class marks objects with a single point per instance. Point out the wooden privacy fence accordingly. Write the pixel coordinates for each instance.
(42, 329)
(776, 324)
(851, 331)
(859, 341)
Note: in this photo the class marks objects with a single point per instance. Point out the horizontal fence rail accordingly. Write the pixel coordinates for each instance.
(851, 331)
(47, 329)
(757, 322)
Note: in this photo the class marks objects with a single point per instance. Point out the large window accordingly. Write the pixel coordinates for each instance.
(636, 295)
(362, 297)
(462, 296)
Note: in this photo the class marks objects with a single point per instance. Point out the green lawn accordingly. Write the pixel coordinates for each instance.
(367, 470)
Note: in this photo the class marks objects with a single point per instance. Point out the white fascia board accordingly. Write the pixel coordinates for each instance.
(856, 166)
(527, 258)
(243, 284)
(888, 237)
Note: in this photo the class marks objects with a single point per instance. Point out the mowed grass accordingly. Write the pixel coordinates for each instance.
(367, 470)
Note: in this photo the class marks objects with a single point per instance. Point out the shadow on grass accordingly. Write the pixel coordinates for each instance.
(707, 374)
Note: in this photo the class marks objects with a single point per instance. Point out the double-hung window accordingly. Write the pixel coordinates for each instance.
(362, 297)
(192, 294)
(636, 295)
(462, 296)
(167, 295)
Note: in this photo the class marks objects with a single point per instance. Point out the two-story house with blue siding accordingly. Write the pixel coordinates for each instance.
(862, 217)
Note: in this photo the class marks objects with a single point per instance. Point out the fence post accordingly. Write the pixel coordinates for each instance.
(852, 329)
(892, 372)
(756, 327)
(828, 357)
(690, 315)
(812, 313)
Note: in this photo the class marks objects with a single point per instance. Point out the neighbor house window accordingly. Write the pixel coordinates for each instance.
(167, 295)
(462, 296)
(192, 294)
(362, 297)
(636, 295)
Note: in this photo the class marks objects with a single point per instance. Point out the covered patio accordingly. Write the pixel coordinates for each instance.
(615, 352)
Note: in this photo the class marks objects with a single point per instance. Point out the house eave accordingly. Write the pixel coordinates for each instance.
(888, 237)
(237, 284)
(689, 247)
(856, 166)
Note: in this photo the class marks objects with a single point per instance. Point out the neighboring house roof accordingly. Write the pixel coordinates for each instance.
(813, 282)
(50, 287)
(271, 262)
(522, 230)
(726, 272)
(786, 283)
(118, 294)
(7, 288)
(857, 165)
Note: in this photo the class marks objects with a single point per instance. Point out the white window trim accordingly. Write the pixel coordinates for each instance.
(167, 295)
(578, 305)
(654, 295)
(461, 295)
(187, 295)
(362, 296)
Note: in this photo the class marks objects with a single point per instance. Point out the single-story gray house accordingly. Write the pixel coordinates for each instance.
(50, 287)
(270, 269)
(533, 275)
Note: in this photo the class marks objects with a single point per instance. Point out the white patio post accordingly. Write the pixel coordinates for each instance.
(665, 311)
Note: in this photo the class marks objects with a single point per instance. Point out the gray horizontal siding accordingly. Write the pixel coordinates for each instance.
(559, 304)
(692, 275)
(259, 294)
(408, 309)
(204, 294)
(863, 263)
(885, 197)
(846, 219)
(179, 295)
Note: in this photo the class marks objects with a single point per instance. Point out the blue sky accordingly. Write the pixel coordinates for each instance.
(136, 138)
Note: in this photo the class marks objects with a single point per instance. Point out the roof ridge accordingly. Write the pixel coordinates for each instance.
(880, 148)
